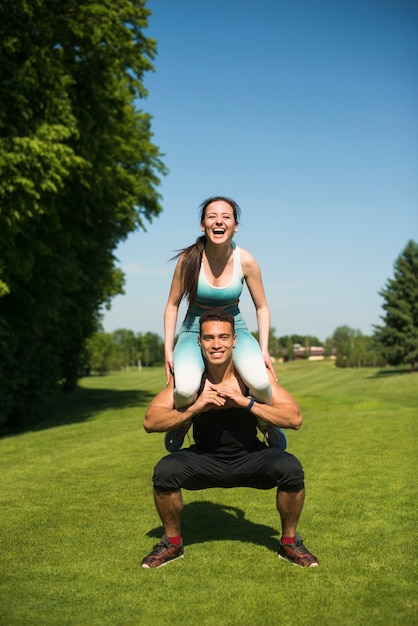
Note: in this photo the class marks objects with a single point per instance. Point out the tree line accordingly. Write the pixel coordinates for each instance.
(125, 349)
(121, 349)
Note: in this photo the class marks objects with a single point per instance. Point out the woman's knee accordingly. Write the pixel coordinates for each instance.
(186, 386)
(254, 373)
(188, 370)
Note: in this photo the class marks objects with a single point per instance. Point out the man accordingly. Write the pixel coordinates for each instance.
(227, 452)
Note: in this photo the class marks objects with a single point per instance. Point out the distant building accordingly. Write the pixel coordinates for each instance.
(316, 353)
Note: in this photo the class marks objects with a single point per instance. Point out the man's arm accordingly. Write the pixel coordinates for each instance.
(162, 414)
(283, 412)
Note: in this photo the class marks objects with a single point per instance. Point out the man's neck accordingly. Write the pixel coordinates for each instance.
(217, 374)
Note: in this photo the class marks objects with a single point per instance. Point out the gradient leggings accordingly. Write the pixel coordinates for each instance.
(189, 365)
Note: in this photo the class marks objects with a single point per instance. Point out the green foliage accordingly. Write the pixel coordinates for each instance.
(398, 337)
(355, 349)
(99, 353)
(151, 349)
(302, 340)
(288, 343)
(79, 173)
(78, 514)
(106, 352)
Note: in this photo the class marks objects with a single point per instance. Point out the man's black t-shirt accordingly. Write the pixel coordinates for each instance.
(225, 432)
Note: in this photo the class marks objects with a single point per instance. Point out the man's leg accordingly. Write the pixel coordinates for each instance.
(291, 548)
(263, 469)
(289, 506)
(169, 505)
(183, 469)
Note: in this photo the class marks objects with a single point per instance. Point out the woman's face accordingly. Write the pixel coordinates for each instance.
(219, 223)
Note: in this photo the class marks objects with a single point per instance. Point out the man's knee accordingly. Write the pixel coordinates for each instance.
(292, 475)
(165, 473)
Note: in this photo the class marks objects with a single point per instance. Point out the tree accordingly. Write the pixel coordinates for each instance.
(343, 341)
(79, 173)
(126, 346)
(99, 353)
(398, 336)
(151, 349)
(302, 340)
(353, 348)
(290, 349)
(105, 352)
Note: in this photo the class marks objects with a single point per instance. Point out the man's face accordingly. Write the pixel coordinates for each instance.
(217, 342)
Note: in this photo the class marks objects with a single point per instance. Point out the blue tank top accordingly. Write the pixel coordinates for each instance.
(209, 296)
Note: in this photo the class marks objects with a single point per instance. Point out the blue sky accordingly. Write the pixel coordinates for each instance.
(306, 113)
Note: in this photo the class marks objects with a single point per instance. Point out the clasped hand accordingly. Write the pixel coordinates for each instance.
(220, 397)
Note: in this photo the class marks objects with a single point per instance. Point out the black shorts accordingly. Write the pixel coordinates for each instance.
(262, 468)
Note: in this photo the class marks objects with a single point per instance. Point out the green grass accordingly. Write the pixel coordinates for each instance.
(78, 514)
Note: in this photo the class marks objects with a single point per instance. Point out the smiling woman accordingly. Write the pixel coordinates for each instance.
(211, 273)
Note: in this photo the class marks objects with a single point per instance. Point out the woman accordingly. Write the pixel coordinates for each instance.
(211, 273)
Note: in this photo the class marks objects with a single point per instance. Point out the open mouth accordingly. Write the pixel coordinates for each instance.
(218, 231)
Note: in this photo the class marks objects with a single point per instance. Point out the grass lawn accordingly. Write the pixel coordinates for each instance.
(78, 514)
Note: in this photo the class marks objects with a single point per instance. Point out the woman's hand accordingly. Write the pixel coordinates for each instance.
(169, 365)
(269, 364)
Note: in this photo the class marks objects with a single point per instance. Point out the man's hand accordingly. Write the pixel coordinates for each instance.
(209, 399)
(232, 396)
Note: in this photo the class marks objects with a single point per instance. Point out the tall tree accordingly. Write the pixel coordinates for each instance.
(398, 336)
(126, 346)
(79, 173)
(343, 341)
(100, 352)
(151, 349)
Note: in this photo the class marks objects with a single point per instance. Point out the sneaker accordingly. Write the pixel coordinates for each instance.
(297, 553)
(162, 554)
(174, 438)
(275, 437)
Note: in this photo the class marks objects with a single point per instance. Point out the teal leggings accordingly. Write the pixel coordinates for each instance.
(189, 365)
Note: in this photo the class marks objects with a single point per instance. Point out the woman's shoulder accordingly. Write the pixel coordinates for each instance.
(247, 259)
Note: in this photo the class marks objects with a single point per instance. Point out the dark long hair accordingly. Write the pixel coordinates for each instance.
(190, 258)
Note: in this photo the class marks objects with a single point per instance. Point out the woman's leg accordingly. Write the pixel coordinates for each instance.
(250, 364)
(188, 369)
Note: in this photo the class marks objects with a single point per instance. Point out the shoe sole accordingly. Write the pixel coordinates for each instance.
(284, 558)
(163, 564)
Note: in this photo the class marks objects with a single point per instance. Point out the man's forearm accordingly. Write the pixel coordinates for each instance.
(160, 419)
(287, 415)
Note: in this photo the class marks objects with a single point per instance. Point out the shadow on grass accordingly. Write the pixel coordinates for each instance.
(206, 521)
(82, 404)
(394, 372)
